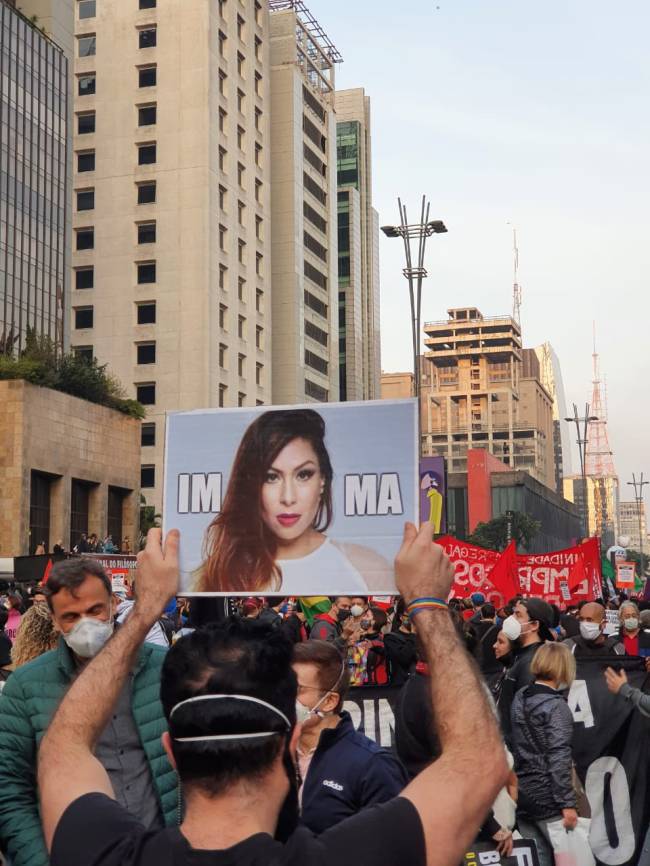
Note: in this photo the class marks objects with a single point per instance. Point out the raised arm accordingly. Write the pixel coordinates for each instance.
(67, 748)
(453, 795)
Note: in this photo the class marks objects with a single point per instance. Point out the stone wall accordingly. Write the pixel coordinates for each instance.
(66, 438)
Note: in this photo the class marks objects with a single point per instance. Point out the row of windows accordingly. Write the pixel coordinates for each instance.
(241, 363)
(88, 8)
(87, 44)
(87, 83)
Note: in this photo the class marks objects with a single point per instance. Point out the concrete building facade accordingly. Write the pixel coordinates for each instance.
(305, 352)
(632, 523)
(68, 466)
(358, 251)
(481, 389)
(34, 153)
(172, 203)
(601, 507)
(551, 379)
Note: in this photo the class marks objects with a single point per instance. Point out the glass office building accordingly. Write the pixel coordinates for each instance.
(33, 158)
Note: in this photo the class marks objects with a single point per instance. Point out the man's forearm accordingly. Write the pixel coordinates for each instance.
(463, 717)
(84, 712)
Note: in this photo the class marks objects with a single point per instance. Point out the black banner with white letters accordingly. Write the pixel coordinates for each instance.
(524, 853)
(611, 750)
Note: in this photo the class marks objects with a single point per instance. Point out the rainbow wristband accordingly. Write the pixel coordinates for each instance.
(420, 604)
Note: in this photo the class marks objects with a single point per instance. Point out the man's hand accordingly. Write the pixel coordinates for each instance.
(422, 569)
(503, 838)
(615, 679)
(569, 819)
(156, 579)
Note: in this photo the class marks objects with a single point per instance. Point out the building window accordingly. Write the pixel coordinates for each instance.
(146, 233)
(258, 119)
(86, 123)
(147, 76)
(223, 270)
(146, 353)
(147, 476)
(240, 27)
(146, 272)
(223, 390)
(241, 289)
(222, 8)
(222, 82)
(241, 251)
(146, 115)
(84, 278)
(241, 207)
(86, 161)
(223, 114)
(258, 191)
(114, 512)
(316, 362)
(317, 392)
(85, 239)
(241, 327)
(147, 192)
(147, 313)
(145, 393)
(222, 237)
(85, 199)
(148, 435)
(222, 355)
(240, 174)
(241, 398)
(222, 197)
(83, 317)
(240, 137)
(146, 154)
(147, 4)
(147, 38)
(223, 317)
(86, 9)
(315, 304)
(222, 43)
(316, 333)
(86, 84)
(222, 158)
(258, 48)
(258, 12)
(240, 100)
(87, 45)
(258, 154)
(258, 264)
(259, 368)
(258, 83)
(240, 63)
(258, 228)
(259, 300)
(79, 495)
(259, 337)
(241, 363)
(85, 353)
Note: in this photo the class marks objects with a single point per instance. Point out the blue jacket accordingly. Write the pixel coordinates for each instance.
(347, 773)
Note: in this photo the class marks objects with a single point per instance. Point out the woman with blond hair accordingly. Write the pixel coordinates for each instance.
(36, 635)
(542, 733)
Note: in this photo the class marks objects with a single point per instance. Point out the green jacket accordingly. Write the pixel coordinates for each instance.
(27, 704)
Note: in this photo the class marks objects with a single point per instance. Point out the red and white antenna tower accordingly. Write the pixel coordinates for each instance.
(599, 458)
(516, 288)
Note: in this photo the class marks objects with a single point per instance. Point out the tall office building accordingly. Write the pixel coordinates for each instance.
(551, 379)
(303, 176)
(480, 389)
(171, 246)
(632, 522)
(358, 242)
(33, 196)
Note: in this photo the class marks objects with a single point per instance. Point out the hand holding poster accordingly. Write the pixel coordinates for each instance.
(292, 500)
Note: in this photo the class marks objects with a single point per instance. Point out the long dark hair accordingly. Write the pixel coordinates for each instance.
(239, 549)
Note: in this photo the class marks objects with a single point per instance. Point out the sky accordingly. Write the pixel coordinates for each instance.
(504, 113)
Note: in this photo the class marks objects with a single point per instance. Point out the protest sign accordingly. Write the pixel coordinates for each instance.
(297, 500)
(524, 853)
(477, 569)
(625, 573)
(433, 493)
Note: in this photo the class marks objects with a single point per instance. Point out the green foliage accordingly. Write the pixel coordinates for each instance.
(635, 556)
(40, 364)
(494, 533)
(149, 519)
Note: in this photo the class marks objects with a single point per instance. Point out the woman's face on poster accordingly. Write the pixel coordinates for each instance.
(292, 491)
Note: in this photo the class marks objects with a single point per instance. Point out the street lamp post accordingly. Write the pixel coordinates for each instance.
(582, 449)
(415, 271)
(638, 496)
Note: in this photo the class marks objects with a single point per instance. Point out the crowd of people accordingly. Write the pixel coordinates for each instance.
(88, 544)
(238, 730)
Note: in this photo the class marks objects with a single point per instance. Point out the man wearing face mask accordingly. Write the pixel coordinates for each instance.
(80, 600)
(592, 642)
(528, 627)
(342, 770)
(336, 625)
(635, 639)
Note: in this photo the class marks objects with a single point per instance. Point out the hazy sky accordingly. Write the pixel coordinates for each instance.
(534, 113)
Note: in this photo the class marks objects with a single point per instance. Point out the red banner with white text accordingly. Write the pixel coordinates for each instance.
(561, 577)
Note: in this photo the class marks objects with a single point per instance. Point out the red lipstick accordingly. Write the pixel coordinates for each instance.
(288, 519)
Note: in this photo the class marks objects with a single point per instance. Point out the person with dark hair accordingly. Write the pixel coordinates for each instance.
(401, 651)
(486, 631)
(342, 770)
(270, 532)
(336, 625)
(230, 695)
(5, 651)
(367, 655)
(16, 608)
(528, 627)
(129, 747)
(270, 614)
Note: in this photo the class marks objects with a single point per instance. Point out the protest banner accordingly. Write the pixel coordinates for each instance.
(477, 569)
(296, 500)
(118, 565)
(611, 750)
(524, 853)
(625, 574)
(433, 493)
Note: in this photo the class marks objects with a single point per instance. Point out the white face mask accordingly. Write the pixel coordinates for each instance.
(304, 714)
(631, 623)
(356, 610)
(589, 630)
(511, 627)
(88, 636)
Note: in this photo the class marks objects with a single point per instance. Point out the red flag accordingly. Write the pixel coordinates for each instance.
(48, 569)
(504, 575)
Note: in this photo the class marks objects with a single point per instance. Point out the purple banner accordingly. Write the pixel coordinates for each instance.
(433, 492)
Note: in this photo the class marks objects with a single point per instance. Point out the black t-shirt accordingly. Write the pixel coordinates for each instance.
(96, 831)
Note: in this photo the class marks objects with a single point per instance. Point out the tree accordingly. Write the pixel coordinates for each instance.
(149, 519)
(635, 556)
(494, 534)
